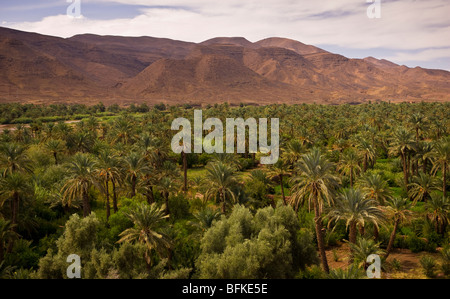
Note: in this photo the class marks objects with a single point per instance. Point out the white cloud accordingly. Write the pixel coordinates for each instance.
(404, 25)
(426, 55)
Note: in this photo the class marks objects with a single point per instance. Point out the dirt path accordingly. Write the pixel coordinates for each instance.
(338, 257)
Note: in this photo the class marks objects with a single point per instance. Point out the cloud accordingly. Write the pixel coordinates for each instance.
(404, 25)
(425, 55)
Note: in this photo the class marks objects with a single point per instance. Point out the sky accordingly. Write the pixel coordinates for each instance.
(406, 32)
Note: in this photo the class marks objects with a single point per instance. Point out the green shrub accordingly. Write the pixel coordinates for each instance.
(429, 266)
(416, 244)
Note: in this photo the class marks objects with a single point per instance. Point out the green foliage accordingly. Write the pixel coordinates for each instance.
(429, 266)
(265, 245)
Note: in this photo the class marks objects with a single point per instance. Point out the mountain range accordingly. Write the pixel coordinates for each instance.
(89, 68)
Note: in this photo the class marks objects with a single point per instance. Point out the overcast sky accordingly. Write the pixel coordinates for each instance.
(410, 32)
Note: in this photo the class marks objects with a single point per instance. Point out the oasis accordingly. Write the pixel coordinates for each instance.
(213, 142)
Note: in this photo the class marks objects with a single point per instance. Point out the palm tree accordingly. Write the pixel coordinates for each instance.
(167, 185)
(367, 152)
(55, 146)
(205, 218)
(81, 176)
(13, 158)
(14, 186)
(278, 171)
(107, 171)
(441, 155)
(7, 234)
(399, 209)
(376, 187)
(135, 166)
(294, 152)
(422, 186)
(349, 164)
(401, 144)
(417, 120)
(315, 183)
(438, 208)
(148, 221)
(362, 249)
(353, 207)
(220, 179)
(423, 150)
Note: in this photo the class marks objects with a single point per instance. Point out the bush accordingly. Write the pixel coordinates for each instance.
(429, 266)
(266, 245)
(416, 244)
(179, 207)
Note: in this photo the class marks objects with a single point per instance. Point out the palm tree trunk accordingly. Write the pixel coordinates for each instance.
(149, 194)
(15, 209)
(166, 199)
(444, 179)
(319, 235)
(55, 157)
(405, 171)
(365, 162)
(108, 208)
(86, 205)
(282, 189)
(392, 239)
(352, 238)
(222, 200)
(133, 186)
(351, 176)
(375, 232)
(185, 170)
(115, 208)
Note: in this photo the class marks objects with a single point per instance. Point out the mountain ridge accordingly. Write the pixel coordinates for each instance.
(88, 68)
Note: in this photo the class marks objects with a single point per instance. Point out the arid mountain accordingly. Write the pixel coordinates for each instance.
(89, 68)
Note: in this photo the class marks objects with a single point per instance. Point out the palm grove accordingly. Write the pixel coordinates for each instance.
(110, 189)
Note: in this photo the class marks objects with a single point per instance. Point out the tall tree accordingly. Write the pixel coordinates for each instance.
(315, 183)
(399, 209)
(401, 144)
(148, 222)
(81, 176)
(219, 181)
(349, 165)
(441, 155)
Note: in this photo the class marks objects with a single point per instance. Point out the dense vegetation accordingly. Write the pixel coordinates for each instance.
(109, 189)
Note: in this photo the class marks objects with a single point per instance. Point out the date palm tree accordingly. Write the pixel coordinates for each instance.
(279, 171)
(441, 155)
(376, 187)
(367, 152)
(107, 171)
(13, 158)
(356, 209)
(399, 209)
(135, 166)
(315, 183)
(349, 165)
(55, 146)
(148, 223)
(81, 176)
(362, 249)
(401, 144)
(7, 234)
(220, 180)
(438, 209)
(14, 186)
(422, 186)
